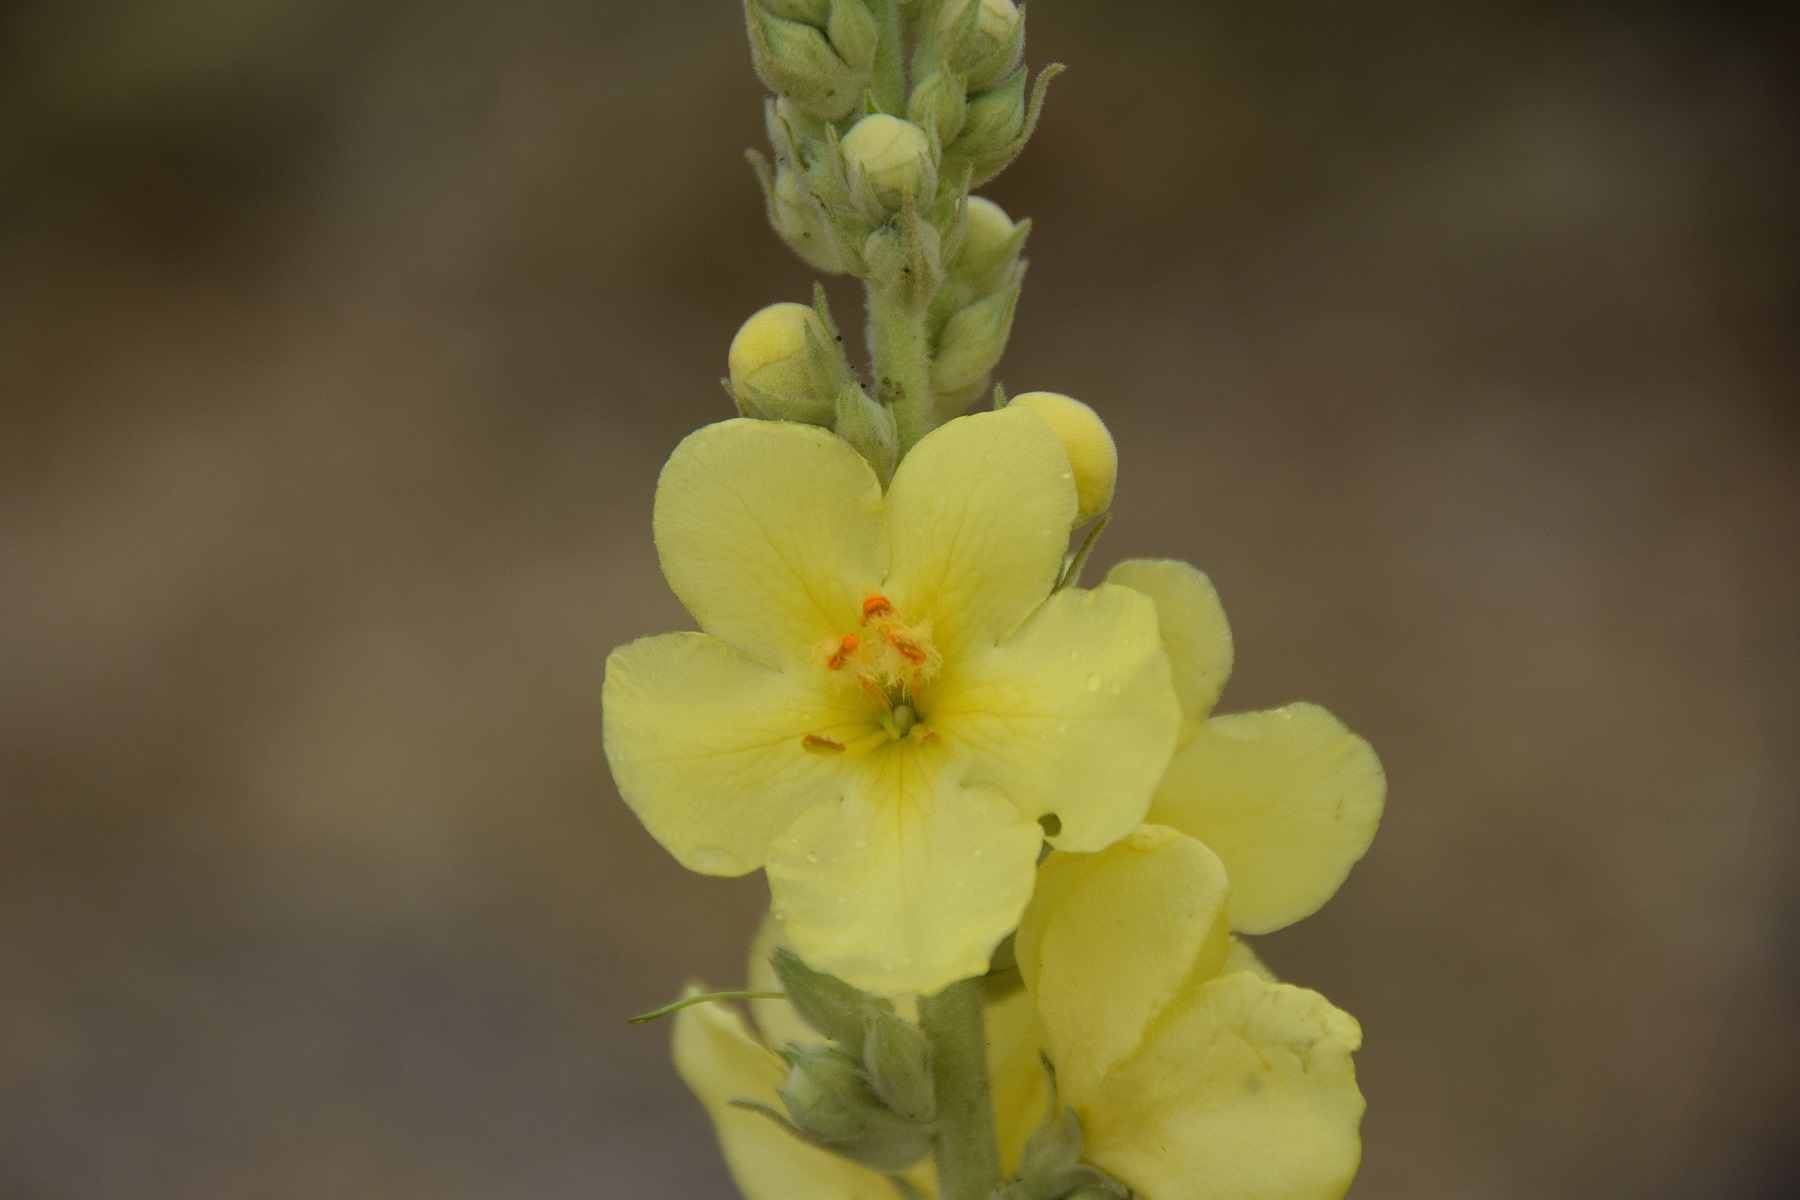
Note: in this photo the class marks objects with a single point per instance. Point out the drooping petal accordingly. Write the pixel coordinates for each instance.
(1245, 1091)
(1288, 798)
(1111, 939)
(771, 534)
(705, 745)
(1016, 1075)
(1194, 631)
(909, 882)
(721, 1062)
(1074, 715)
(979, 516)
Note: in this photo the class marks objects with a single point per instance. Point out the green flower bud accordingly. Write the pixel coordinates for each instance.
(813, 12)
(869, 426)
(973, 341)
(801, 222)
(830, 1101)
(1092, 455)
(983, 40)
(829, 1005)
(990, 246)
(798, 61)
(939, 102)
(897, 1059)
(995, 121)
(776, 372)
(853, 33)
(908, 254)
(894, 156)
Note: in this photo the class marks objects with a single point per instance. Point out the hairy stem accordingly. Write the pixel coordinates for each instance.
(968, 1155)
(902, 352)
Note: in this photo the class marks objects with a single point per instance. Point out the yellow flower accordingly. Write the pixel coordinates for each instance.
(887, 695)
(1195, 1077)
(1288, 798)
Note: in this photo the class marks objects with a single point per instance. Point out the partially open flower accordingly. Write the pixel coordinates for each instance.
(894, 155)
(771, 374)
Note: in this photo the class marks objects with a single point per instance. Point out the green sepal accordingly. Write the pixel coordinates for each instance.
(897, 1058)
(828, 1004)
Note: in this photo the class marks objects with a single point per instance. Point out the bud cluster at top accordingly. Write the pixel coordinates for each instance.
(886, 114)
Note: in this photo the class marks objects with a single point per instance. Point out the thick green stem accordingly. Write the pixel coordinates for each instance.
(890, 73)
(968, 1155)
(902, 353)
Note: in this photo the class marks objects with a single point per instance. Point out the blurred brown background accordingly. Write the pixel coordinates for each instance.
(340, 343)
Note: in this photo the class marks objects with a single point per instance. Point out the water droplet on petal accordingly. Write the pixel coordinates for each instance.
(1116, 687)
(1062, 727)
(812, 858)
(1074, 654)
(862, 843)
(976, 853)
(1094, 682)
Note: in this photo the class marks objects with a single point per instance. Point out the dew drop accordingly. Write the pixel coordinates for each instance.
(976, 853)
(1062, 727)
(1074, 654)
(1116, 687)
(862, 843)
(1094, 682)
(812, 858)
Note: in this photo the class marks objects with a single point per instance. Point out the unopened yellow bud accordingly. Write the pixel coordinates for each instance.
(981, 39)
(770, 372)
(1092, 455)
(893, 155)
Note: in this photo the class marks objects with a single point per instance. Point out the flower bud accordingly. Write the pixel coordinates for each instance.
(828, 1004)
(812, 12)
(982, 40)
(1092, 455)
(990, 246)
(772, 374)
(853, 33)
(990, 136)
(830, 1101)
(973, 341)
(898, 1061)
(939, 102)
(797, 60)
(893, 155)
(801, 223)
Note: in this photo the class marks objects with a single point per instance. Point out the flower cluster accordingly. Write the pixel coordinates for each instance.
(1008, 844)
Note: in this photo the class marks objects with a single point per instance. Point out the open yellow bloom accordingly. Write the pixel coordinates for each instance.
(1192, 1080)
(1288, 798)
(887, 695)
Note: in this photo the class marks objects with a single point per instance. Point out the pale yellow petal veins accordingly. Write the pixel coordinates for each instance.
(979, 516)
(908, 883)
(721, 1062)
(770, 533)
(1194, 631)
(1073, 716)
(1111, 939)
(1288, 798)
(705, 745)
(1245, 1090)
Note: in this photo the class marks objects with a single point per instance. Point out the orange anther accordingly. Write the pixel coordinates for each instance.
(846, 647)
(908, 651)
(876, 606)
(820, 745)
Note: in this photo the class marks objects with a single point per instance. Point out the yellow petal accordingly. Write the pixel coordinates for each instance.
(1245, 1091)
(1288, 798)
(775, 1019)
(1092, 454)
(1016, 1075)
(979, 515)
(909, 883)
(705, 745)
(771, 534)
(1073, 716)
(1243, 958)
(721, 1062)
(1194, 631)
(1112, 938)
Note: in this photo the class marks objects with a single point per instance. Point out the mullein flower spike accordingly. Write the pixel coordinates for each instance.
(1009, 844)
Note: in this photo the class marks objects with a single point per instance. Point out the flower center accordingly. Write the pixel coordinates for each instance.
(890, 659)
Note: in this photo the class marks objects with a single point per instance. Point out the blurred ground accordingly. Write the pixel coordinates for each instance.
(339, 347)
